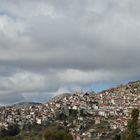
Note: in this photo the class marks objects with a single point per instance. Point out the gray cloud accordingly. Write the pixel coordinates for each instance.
(48, 47)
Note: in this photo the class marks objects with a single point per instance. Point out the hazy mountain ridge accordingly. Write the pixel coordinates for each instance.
(25, 104)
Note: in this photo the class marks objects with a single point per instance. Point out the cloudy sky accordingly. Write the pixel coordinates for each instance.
(49, 47)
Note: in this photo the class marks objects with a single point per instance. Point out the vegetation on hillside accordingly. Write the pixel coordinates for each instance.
(132, 129)
(37, 132)
(57, 133)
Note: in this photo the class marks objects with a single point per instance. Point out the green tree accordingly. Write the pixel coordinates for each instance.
(57, 133)
(13, 130)
(133, 125)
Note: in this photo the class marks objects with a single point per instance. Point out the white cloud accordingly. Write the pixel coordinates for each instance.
(48, 47)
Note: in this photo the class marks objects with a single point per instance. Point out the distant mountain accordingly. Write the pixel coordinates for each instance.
(25, 104)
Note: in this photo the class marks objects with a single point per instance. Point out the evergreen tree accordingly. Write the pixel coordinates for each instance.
(133, 125)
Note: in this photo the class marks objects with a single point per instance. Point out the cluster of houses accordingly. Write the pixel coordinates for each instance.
(85, 115)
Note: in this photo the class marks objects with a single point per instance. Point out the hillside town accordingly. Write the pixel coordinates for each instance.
(85, 115)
